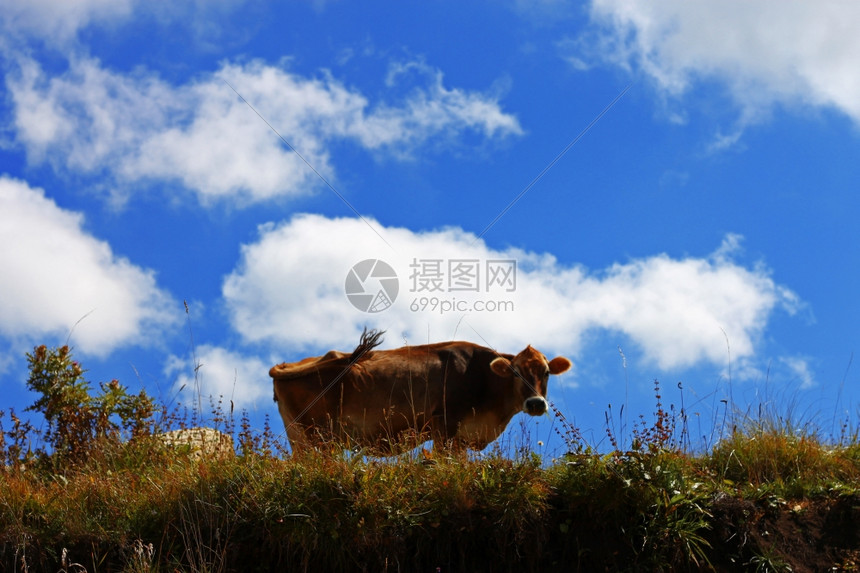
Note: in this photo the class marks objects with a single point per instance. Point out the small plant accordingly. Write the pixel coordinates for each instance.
(571, 435)
(142, 558)
(768, 562)
(76, 419)
(19, 451)
(661, 435)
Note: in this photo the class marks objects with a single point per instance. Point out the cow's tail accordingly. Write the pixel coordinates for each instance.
(369, 340)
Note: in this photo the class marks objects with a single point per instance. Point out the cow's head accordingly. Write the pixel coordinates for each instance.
(530, 372)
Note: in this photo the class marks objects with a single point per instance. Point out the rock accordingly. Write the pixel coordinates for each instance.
(201, 442)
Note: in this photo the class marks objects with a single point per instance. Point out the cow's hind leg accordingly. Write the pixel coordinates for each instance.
(446, 443)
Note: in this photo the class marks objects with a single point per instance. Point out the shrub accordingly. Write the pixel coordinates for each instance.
(76, 419)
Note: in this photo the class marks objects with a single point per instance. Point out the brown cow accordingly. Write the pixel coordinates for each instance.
(455, 393)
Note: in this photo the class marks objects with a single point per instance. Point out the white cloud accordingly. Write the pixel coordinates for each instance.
(55, 273)
(220, 373)
(88, 119)
(789, 52)
(799, 370)
(59, 20)
(288, 292)
(138, 128)
(433, 108)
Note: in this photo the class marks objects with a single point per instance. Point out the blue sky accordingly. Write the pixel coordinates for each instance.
(702, 230)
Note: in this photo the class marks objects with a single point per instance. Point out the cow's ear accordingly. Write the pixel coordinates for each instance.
(502, 367)
(559, 364)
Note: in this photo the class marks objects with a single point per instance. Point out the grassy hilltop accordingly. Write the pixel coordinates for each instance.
(96, 490)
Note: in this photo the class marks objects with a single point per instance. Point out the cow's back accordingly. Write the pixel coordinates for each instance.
(410, 381)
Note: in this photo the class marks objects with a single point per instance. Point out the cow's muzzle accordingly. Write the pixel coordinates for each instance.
(535, 406)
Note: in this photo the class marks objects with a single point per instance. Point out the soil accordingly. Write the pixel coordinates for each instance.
(777, 535)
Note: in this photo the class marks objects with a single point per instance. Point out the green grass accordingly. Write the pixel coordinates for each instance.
(770, 495)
